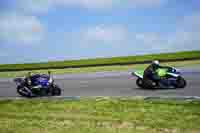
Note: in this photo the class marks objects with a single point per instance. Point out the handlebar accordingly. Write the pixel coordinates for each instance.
(18, 81)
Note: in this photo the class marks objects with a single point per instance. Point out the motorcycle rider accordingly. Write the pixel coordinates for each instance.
(29, 80)
(29, 77)
(150, 73)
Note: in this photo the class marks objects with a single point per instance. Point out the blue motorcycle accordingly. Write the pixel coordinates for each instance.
(37, 85)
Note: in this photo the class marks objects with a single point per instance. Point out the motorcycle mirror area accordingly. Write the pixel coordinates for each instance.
(49, 73)
(29, 74)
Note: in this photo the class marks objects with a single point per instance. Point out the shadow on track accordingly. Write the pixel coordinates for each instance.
(156, 89)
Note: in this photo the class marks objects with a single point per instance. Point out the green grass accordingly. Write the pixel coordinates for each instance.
(98, 69)
(99, 115)
(100, 61)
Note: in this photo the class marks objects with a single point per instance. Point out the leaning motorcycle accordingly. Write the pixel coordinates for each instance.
(169, 78)
(37, 85)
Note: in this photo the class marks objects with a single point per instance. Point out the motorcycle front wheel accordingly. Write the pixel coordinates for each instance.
(56, 91)
(181, 82)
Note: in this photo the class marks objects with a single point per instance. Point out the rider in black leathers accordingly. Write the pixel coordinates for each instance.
(150, 72)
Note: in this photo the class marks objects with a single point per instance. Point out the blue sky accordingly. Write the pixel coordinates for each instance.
(46, 30)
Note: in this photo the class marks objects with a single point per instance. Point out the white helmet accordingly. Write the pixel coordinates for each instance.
(155, 62)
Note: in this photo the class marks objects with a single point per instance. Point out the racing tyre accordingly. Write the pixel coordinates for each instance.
(148, 84)
(139, 82)
(181, 82)
(56, 91)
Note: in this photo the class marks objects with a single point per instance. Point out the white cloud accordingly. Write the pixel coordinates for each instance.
(34, 6)
(191, 23)
(187, 34)
(102, 4)
(20, 28)
(42, 6)
(116, 36)
(91, 4)
(3, 55)
(185, 37)
(107, 34)
(148, 42)
(148, 37)
(146, 3)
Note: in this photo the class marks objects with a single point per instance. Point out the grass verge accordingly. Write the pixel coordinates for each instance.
(98, 69)
(101, 61)
(99, 115)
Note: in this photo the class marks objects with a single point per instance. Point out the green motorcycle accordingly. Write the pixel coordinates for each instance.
(169, 78)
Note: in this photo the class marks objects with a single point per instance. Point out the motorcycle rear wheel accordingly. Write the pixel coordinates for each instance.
(149, 84)
(139, 82)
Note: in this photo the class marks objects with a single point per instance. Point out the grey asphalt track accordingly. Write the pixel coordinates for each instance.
(110, 84)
